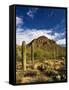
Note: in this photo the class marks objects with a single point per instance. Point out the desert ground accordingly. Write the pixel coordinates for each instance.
(50, 70)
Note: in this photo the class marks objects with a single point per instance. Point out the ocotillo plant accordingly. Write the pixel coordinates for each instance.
(32, 52)
(24, 55)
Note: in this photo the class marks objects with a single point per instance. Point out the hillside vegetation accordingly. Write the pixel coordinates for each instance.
(49, 62)
(44, 48)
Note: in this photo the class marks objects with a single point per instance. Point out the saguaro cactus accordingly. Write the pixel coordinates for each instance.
(32, 52)
(54, 52)
(24, 55)
(57, 53)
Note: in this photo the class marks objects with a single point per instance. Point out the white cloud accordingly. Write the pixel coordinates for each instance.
(19, 21)
(28, 35)
(61, 41)
(18, 30)
(58, 36)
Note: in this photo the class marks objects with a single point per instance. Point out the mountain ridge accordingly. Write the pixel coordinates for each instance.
(42, 40)
(44, 47)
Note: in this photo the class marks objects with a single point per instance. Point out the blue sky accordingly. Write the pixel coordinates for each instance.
(32, 22)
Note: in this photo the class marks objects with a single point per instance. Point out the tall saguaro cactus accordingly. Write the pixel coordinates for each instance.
(54, 53)
(57, 53)
(24, 55)
(32, 52)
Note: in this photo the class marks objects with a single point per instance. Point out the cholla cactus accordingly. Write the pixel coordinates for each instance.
(24, 55)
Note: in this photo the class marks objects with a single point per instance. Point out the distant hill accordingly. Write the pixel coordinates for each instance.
(43, 42)
(44, 47)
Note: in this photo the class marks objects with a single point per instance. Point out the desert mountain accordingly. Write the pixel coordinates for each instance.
(43, 42)
(43, 48)
(46, 48)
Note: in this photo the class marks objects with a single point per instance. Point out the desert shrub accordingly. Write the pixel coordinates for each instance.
(63, 74)
(57, 77)
(63, 77)
(49, 73)
(30, 73)
(42, 67)
(18, 77)
(35, 54)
